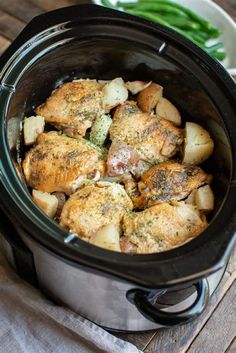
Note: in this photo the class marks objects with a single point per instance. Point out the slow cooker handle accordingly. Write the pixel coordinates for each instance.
(139, 298)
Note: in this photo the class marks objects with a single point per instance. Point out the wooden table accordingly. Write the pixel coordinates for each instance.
(215, 330)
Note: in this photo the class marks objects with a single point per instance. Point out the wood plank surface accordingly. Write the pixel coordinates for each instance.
(216, 335)
(48, 5)
(10, 26)
(214, 331)
(228, 5)
(21, 9)
(4, 43)
(232, 347)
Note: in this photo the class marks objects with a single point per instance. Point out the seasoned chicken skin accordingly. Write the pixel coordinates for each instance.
(154, 139)
(169, 181)
(161, 227)
(60, 163)
(95, 206)
(73, 106)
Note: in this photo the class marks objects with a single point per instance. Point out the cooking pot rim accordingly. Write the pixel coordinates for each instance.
(88, 253)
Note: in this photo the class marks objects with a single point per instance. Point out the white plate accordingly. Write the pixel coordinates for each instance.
(219, 18)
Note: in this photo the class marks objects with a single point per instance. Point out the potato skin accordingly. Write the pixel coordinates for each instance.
(149, 97)
(198, 144)
(166, 110)
(204, 198)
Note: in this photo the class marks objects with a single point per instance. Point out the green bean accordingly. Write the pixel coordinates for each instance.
(204, 23)
(220, 55)
(158, 19)
(196, 37)
(158, 8)
(107, 3)
(180, 22)
(215, 47)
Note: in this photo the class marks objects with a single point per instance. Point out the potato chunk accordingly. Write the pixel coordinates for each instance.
(114, 93)
(149, 97)
(33, 126)
(47, 202)
(204, 198)
(166, 110)
(198, 144)
(107, 237)
(137, 86)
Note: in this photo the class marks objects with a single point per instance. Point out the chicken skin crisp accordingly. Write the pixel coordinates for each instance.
(73, 107)
(153, 138)
(95, 206)
(161, 227)
(58, 162)
(169, 181)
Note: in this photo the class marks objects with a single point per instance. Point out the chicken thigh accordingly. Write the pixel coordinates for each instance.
(153, 138)
(73, 106)
(60, 163)
(169, 181)
(95, 206)
(161, 227)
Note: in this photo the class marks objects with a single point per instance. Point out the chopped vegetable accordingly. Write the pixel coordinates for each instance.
(100, 129)
(204, 198)
(149, 97)
(47, 202)
(33, 126)
(137, 86)
(198, 144)
(114, 93)
(165, 109)
(107, 237)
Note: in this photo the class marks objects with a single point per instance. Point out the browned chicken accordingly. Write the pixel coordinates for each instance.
(161, 227)
(73, 106)
(95, 206)
(61, 163)
(169, 181)
(154, 139)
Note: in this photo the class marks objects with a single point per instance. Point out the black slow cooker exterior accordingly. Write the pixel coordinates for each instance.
(89, 41)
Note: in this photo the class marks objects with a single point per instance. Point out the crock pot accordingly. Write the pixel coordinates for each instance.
(115, 290)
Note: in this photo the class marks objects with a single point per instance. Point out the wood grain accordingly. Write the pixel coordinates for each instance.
(23, 9)
(4, 43)
(140, 339)
(48, 5)
(232, 347)
(10, 26)
(229, 6)
(217, 333)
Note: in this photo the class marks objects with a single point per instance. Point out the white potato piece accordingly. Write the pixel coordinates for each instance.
(191, 198)
(114, 93)
(204, 198)
(107, 237)
(149, 97)
(47, 202)
(198, 145)
(33, 126)
(166, 110)
(137, 86)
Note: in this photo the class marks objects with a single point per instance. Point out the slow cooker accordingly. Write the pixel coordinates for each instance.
(115, 290)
